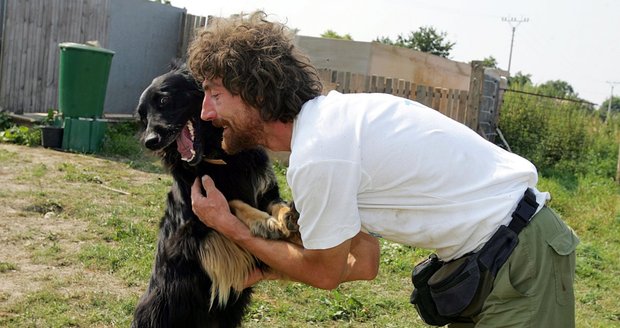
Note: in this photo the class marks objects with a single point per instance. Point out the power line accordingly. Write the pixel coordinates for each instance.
(580, 101)
(514, 22)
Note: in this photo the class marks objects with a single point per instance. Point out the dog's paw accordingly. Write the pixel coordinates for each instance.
(290, 217)
(270, 228)
(261, 224)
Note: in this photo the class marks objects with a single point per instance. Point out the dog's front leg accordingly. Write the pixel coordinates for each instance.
(262, 224)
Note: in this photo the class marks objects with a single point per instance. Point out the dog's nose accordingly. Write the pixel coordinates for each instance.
(152, 140)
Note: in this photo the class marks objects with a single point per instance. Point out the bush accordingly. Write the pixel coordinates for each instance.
(5, 121)
(21, 135)
(560, 137)
(122, 140)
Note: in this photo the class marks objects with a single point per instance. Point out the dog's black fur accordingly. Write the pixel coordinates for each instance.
(179, 292)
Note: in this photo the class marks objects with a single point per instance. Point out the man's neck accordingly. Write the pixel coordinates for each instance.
(279, 136)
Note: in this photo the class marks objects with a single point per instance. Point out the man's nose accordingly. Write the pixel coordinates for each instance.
(208, 112)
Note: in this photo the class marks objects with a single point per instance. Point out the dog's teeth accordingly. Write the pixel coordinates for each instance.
(190, 127)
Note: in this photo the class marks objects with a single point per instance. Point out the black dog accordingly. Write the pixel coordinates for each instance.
(198, 275)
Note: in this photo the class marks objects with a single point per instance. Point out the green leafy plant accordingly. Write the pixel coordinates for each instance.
(562, 138)
(53, 118)
(22, 135)
(5, 120)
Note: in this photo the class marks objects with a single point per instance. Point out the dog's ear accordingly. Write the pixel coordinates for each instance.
(176, 64)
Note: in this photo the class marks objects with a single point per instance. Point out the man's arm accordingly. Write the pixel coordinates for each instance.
(354, 259)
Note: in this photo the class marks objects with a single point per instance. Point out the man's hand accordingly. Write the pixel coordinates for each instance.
(212, 208)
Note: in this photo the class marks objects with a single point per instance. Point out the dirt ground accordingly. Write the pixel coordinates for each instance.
(31, 228)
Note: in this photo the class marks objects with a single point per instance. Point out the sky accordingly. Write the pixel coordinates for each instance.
(577, 41)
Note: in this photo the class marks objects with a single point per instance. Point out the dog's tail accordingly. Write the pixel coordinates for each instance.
(227, 264)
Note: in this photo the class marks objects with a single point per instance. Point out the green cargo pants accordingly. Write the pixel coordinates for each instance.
(534, 288)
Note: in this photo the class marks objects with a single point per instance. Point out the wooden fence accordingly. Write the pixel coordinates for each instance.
(32, 31)
(190, 23)
(450, 102)
(456, 104)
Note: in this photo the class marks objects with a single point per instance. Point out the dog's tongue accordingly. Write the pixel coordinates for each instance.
(185, 143)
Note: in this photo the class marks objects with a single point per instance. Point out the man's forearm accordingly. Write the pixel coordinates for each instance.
(323, 269)
(355, 259)
(363, 260)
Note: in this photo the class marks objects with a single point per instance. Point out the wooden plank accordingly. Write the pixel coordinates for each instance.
(357, 83)
(325, 75)
(373, 84)
(407, 90)
(476, 84)
(413, 91)
(450, 103)
(462, 107)
(340, 81)
(435, 98)
(400, 88)
(389, 89)
(346, 85)
(443, 101)
(421, 94)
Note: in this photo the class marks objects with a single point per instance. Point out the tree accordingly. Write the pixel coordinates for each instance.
(425, 39)
(330, 34)
(520, 79)
(384, 40)
(490, 62)
(557, 88)
(615, 105)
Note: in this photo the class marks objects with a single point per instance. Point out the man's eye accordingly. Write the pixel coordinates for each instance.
(215, 96)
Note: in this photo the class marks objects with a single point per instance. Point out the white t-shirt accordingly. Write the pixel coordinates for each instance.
(402, 171)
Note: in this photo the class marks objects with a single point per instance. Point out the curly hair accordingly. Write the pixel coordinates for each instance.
(256, 59)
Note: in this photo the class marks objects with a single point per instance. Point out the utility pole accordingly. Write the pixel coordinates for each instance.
(611, 98)
(514, 22)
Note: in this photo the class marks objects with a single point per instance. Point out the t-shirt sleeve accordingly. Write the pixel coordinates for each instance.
(325, 194)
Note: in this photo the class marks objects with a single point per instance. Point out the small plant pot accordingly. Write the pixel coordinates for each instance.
(51, 137)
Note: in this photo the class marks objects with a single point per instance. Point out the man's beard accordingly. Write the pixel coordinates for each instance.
(245, 136)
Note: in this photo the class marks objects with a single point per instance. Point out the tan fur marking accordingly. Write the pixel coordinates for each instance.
(261, 223)
(227, 264)
(246, 213)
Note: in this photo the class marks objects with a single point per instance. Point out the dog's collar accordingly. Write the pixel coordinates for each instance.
(215, 161)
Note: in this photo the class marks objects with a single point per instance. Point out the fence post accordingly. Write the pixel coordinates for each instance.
(476, 84)
(618, 168)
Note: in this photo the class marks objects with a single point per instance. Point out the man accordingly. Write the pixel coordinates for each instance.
(364, 166)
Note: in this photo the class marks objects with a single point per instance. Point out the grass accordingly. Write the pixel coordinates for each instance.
(95, 247)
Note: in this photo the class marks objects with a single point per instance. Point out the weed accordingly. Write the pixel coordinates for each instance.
(75, 174)
(21, 135)
(44, 207)
(121, 140)
(7, 266)
(5, 120)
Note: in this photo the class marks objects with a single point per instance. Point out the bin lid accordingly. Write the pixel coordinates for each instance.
(80, 46)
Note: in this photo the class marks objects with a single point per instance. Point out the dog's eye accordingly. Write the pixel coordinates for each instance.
(164, 100)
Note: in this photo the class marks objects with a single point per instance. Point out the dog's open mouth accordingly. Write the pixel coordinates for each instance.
(185, 143)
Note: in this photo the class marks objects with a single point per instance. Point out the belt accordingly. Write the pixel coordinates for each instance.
(522, 215)
(499, 247)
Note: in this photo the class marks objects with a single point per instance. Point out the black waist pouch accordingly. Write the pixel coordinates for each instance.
(447, 292)
(421, 297)
(460, 287)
